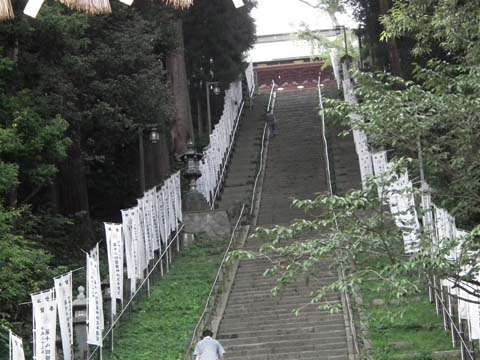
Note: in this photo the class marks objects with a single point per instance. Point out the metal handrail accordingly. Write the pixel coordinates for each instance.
(252, 91)
(132, 298)
(260, 169)
(350, 313)
(453, 326)
(262, 149)
(330, 189)
(225, 163)
(220, 268)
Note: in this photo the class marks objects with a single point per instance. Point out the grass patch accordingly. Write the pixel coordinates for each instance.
(408, 320)
(161, 327)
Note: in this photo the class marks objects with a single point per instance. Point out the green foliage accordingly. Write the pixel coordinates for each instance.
(410, 320)
(173, 309)
(70, 81)
(355, 230)
(321, 45)
(215, 29)
(451, 25)
(441, 110)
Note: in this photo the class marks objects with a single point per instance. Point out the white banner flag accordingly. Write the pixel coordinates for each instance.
(139, 251)
(44, 325)
(152, 200)
(16, 347)
(63, 294)
(33, 7)
(172, 203)
(127, 236)
(95, 305)
(178, 193)
(144, 208)
(166, 211)
(113, 235)
(160, 214)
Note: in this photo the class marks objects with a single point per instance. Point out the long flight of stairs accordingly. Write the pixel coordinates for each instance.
(238, 186)
(256, 325)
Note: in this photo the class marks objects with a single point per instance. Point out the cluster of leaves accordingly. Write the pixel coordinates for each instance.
(322, 45)
(356, 230)
(439, 108)
(217, 35)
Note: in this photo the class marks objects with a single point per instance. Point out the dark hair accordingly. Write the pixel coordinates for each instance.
(206, 333)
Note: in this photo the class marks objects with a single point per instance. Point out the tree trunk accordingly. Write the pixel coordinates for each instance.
(333, 19)
(182, 129)
(392, 49)
(74, 191)
(199, 116)
(157, 162)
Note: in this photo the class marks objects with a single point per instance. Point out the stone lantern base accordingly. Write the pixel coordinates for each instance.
(194, 200)
(213, 225)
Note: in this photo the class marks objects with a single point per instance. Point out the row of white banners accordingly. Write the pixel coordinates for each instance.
(145, 229)
(439, 225)
(214, 154)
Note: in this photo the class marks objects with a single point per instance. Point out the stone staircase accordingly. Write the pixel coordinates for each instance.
(256, 325)
(243, 168)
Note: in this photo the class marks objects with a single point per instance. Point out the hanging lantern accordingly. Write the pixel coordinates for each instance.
(6, 10)
(179, 4)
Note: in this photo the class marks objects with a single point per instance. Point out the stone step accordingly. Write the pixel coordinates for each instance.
(336, 346)
(291, 324)
(257, 333)
(326, 334)
(295, 355)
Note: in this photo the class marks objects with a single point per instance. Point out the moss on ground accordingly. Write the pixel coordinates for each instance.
(411, 320)
(161, 327)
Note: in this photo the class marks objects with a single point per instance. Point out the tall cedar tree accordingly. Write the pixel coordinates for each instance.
(217, 35)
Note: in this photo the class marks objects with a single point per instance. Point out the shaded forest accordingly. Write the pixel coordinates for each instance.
(76, 93)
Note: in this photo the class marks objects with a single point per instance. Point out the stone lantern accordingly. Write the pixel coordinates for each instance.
(193, 199)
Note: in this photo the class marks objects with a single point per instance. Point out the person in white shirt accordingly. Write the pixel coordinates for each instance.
(208, 348)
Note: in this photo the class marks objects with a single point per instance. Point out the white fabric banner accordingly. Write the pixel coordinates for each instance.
(139, 250)
(152, 200)
(44, 325)
(33, 7)
(147, 226)
(166, 208)
(178, 193)
(238, 3)
(114, 240)
(473, 315)
(172, 204)
(161, 215)
(336, 66)
(127, 218)
(95, 305)
(63, 294)
(250, 76)
(15, 347)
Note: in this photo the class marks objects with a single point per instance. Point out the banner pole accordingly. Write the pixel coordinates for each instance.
(113, 322)
(148, 282)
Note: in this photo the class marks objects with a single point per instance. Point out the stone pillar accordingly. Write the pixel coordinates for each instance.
(80, 324)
